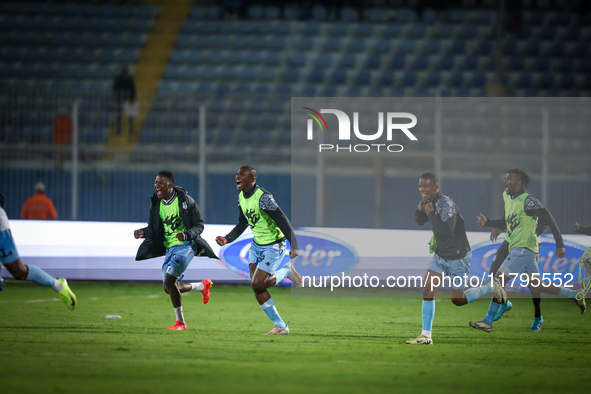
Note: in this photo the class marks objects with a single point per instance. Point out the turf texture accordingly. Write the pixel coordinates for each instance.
(352, 345)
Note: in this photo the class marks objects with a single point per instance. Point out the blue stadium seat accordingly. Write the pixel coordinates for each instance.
(429, 15)
(255, 12)
(516, 64)
(581, 50)
(305, 44)
(557, 49)
(373, 62)
(323, 60)
(458, 47)
(470, 63)
(266, 74)
(542, 64)
(456, 79)
(565, 65)
(393, 30)
(468, 32)
(248, 75)
(308, 91)
(418, 31)
(316, 76)
(397, 62)
(332, 44)
(409, 79)
(177, 57)
(291, 12)
(509, 48)
(216, 58)
(271, 12)
(197, 13)
(349, 14)
(319, 13)
(478, 80)
(290, 75)
(524, 80)
(356, 45)
(532, 49)
(535, 17)
(405, 15)
(222, 90)
(446, 62)
(572, 34)
(375, 15)
(363, 78)
(347, 61)
(376, 91)
(329, 91)
(433, 79)
(421, 63)
(339, 77)
(253, 58)
(406, 47)
(272, 59)
(364, 30)
(432, 47)
(456, 16)
(562, 19)
(242, 91)
(283, 92)
(566, 81)
(445, 31)
(546, 81)
(297, 60)
(383, 46)
(547, 33)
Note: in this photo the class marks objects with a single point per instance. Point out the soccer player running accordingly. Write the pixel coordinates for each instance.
(522, 211)
(500, 256)
(9, 257)
(270, 228)
(174, 231)
(450, 249)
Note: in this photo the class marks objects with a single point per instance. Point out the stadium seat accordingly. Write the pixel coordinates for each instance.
(339, 77)
(363, 78)
(316, 76)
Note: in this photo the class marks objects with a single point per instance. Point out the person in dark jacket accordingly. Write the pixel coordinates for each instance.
(124, 90)
(174, 230)
(451, 253)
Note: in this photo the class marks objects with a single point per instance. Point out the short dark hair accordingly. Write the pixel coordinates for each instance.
(252, 171)
(431, 176)
(1, 200)
(522, 175)
(167, 174)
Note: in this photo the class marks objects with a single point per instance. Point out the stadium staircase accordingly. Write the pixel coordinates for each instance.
(152, 61)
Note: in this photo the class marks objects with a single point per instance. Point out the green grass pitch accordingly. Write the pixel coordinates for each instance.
(335, 345)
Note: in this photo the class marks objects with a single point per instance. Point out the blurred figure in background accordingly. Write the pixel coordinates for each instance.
(62, 135)
(39, 206)
(124, 90)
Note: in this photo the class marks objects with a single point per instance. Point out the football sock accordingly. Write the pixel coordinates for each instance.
(179, 314)
(570, 293)
(428, 315)
(281, 274)
(41, 277)
(477, 292)
(426, 333)
(492, 311)
(269, 308)
(197, 286)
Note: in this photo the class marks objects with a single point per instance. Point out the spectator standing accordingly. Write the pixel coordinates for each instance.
(124, 90)
(62, 135)
(39, 206)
